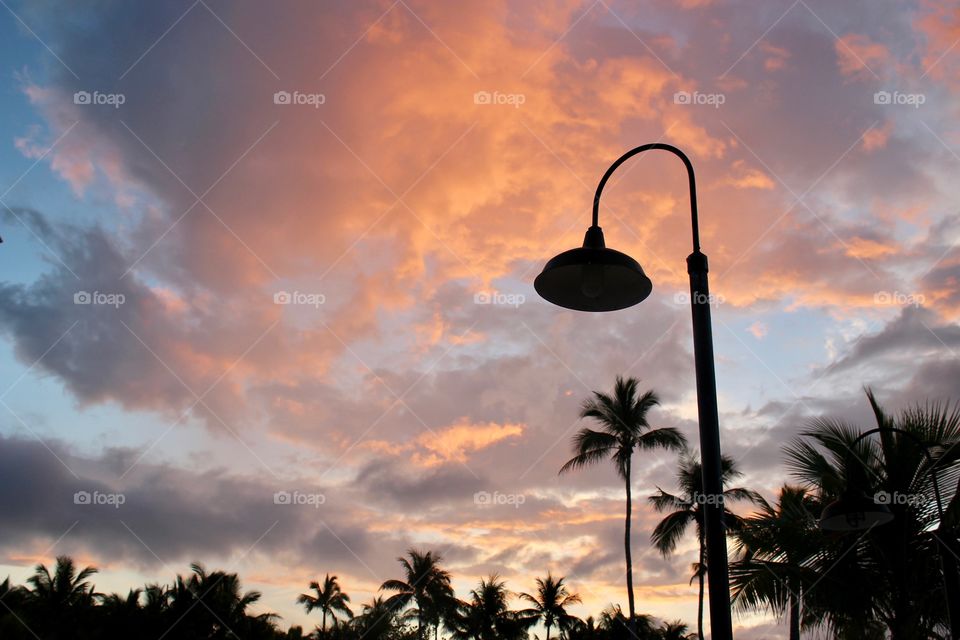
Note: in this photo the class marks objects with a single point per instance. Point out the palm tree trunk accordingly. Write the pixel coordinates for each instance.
(323, 623)
(794, 617)
(626, 548)
(548, 632)
(700, 574)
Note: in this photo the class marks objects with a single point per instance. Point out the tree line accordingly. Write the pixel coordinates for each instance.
(63, 603)
(886, 582)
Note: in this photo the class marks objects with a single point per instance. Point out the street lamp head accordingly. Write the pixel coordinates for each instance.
(593, 277)
(854, 511)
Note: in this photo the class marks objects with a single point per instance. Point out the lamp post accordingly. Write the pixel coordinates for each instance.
(856, 512)
(595, 278)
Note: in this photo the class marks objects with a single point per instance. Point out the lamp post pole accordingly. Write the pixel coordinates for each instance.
(595, 278)
(715, 528)
(945, 545)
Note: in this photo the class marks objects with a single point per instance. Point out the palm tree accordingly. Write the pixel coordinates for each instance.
(11, 611)
(775, 545)
(488, 616)
(329, 599)
(614, 626)
(426, 584)
(622, 418)
(675, 630)
(687, 508)
(121, 615)
(156, 606)
(889, 574)
(223, 606)
(550, 604)
(59, 600)
(66, 587)
(584, 630)
(378, 621)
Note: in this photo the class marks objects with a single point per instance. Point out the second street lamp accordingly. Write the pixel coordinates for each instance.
(595, 278)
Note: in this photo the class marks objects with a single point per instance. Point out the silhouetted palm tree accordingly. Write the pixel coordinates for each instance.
(12, 600)
(156, 604)
(60, 601)
(776, 544)
(121, 615)
(550, 604)
(329, 599)
(622, 418)
(615, 626)
(891, 573)
(584, 630)
(487, 616)
(675, 630)
(211, 605)
(66, 587)
(687, 508)
(377, 621)
(426, 585)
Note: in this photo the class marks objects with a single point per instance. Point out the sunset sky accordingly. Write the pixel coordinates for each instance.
(398, 172)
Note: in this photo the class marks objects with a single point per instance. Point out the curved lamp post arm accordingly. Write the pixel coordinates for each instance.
(638, 150)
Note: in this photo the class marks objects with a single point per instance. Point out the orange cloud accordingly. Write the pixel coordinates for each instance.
(939, 22)
(859, 56)
(744, 177)
(776, 56)
(867, 248)
(877, 137)
(455, 443)
(758, 330)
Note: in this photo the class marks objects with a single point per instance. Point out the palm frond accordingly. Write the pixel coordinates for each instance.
(668, 532)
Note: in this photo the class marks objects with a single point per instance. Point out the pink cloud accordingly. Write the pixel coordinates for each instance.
(858, 56)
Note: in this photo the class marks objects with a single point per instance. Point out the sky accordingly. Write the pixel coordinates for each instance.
(267, 295)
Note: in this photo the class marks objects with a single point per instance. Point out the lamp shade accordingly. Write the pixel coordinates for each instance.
(854, 512)
(593, 277)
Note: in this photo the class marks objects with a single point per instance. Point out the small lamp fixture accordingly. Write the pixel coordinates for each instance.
(854, 511)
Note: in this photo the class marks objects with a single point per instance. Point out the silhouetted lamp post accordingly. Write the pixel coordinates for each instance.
(854, 511)
(595, 278)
